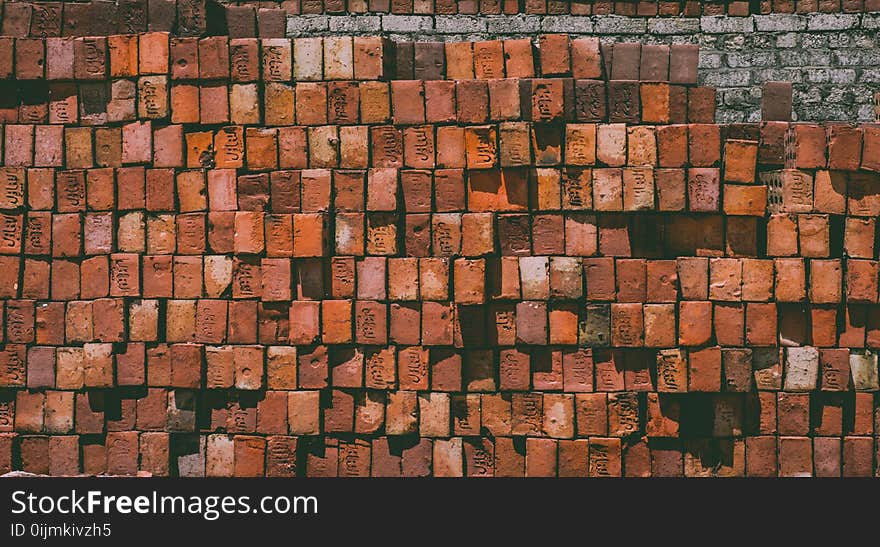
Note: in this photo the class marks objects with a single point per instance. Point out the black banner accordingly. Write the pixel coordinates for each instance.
(74, 511)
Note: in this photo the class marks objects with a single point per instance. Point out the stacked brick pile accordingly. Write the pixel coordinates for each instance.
(268, 19)
(689, 8)
(346, 256)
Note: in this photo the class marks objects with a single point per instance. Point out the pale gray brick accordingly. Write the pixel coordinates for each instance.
(673, 25)
(792, 75)
(751, 58)
(832, 21)
(516, 24)
(870, 76)
(830, 75)
(805, 57)
(710, 60)
(728, 78)
(572, 24)
(857, 57)
(457, 24)
(871, 20)
(302, 24)
(355, 23)
(789, 39)
(616, 24)
(780, 22)
(721, 24)
(407, 23)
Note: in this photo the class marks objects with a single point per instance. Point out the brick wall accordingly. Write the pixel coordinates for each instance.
(828, 50)
(832, 59)
(375, 253)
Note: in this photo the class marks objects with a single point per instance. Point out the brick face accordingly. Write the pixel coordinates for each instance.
(259, 255)
(249, 18)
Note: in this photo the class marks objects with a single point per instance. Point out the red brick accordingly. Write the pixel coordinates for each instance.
(371, 57)
(153, 51)
(844, 147)
(861, 280)
(624, 104)
(795, 457)
(871, 140)
(249, 456)
(605, 457)
(857, 457)
(184, 54)
(761, 456)
(214, 57)
(704, 369)
(776, 101)
(30, 58)
(695, 323)
(518, 59)
(408, 102)
(488, 60)
(659, 325)
(810, 146)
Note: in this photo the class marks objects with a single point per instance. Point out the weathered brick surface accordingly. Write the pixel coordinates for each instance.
(352, 256)
(251, 18)
(827, 50)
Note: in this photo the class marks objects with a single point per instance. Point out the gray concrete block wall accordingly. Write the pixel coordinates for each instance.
(833, 60)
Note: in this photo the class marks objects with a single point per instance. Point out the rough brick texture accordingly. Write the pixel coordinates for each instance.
(351, 255)
(832, 60)
(827, 49)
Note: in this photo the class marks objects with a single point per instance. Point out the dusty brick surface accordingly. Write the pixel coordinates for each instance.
(248, 255)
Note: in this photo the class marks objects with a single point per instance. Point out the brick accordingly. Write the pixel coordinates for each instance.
(776, 101)
(278, 104)
(518, 59)
(704, 369)
(371, 57)
(30, 58)
(740, 158)
(825, 281)
(625, 61)
(605, 457)
(744, 200)
(90, 58)
(589, 101)
(683, 63)
(585, 58)
(844, 147)
(153, 53)
(795, 457)
(459, 60)
(429, 60)
(701, 104)
(308, 58)
(624, 103)
(861, 283)
(488, 59)
(414, 261)
(184, 58)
